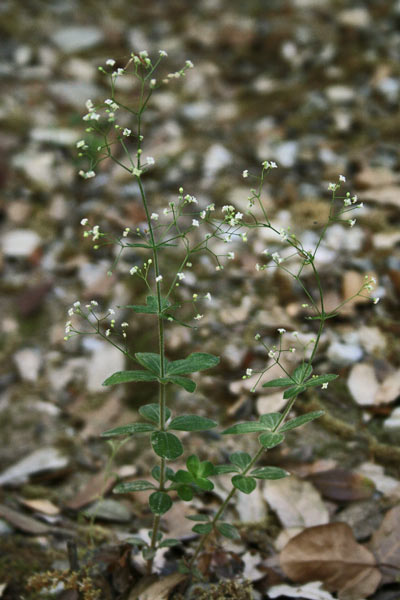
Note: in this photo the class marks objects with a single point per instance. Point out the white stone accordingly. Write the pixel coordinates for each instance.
(20, 243)
(340, 94)
(217, 157)
(344, 354)
(28, 361)
(363, 384)
(105, 361)
(393, 422)
(76, 38)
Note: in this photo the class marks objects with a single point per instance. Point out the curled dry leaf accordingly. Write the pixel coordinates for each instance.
(385, 544)
(297, 503)
(329, 553)
(341, 485)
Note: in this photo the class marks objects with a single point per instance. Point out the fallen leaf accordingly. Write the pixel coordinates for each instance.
(49, 460)
(385, 544)
(96, 486)
(156, 590)
(341, 485)
(297, 503)
(22, 522)
(310, 591)
(42, 505)
(329, 553)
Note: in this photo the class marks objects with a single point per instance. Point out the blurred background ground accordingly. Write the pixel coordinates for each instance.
(312, 85)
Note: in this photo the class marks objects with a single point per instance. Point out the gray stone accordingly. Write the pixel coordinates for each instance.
(77, 38)
(105, 361)
(74, 93)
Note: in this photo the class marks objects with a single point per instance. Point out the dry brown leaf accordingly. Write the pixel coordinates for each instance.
(297, 503)
(329, 553)
(341, 485)
(156, 590)
(385, 544)
(23, 522)
(91, 491)
(42, 505)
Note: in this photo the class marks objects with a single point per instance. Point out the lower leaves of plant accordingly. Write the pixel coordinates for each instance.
(180, 226)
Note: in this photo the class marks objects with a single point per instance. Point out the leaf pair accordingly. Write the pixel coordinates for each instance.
(204, 527)
(173, 371)
(196, 475)
(300, 381)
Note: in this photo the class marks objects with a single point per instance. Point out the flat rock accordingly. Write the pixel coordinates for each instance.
(38, 166)
(20, 243)
(389, 390)
(77, 38)
(44, 459)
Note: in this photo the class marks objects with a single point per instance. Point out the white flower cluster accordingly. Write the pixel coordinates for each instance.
(232, 216)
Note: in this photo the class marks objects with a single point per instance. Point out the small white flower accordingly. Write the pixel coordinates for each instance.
(208, 296)
(276, 258)
(84, 221)
(203, 214)
(180, 276)
(195, 223)
(281, 330)
(332, 187)
(77, 304)
(249, 372)
(238, 216)
(126, 231)
(108, 101)
(352, 222)
(231, 255)
(94, 303)
(80, 144)
(258, 268)
(154, 216)
(198, 317)
(70, 312)
(189, 64)
(375, 300)
(324, 385)
(110, 62)
(150, 160)
(245, 173)
(124, 324)
(271, 353)
(108, 332)
(153, 83)
(126, 132)
(159, 278)
(162, 53)
(347, 202)
(341, 178)
(257, 336)
(111, 311)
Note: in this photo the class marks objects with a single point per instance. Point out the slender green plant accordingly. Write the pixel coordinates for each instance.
(185, 228)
